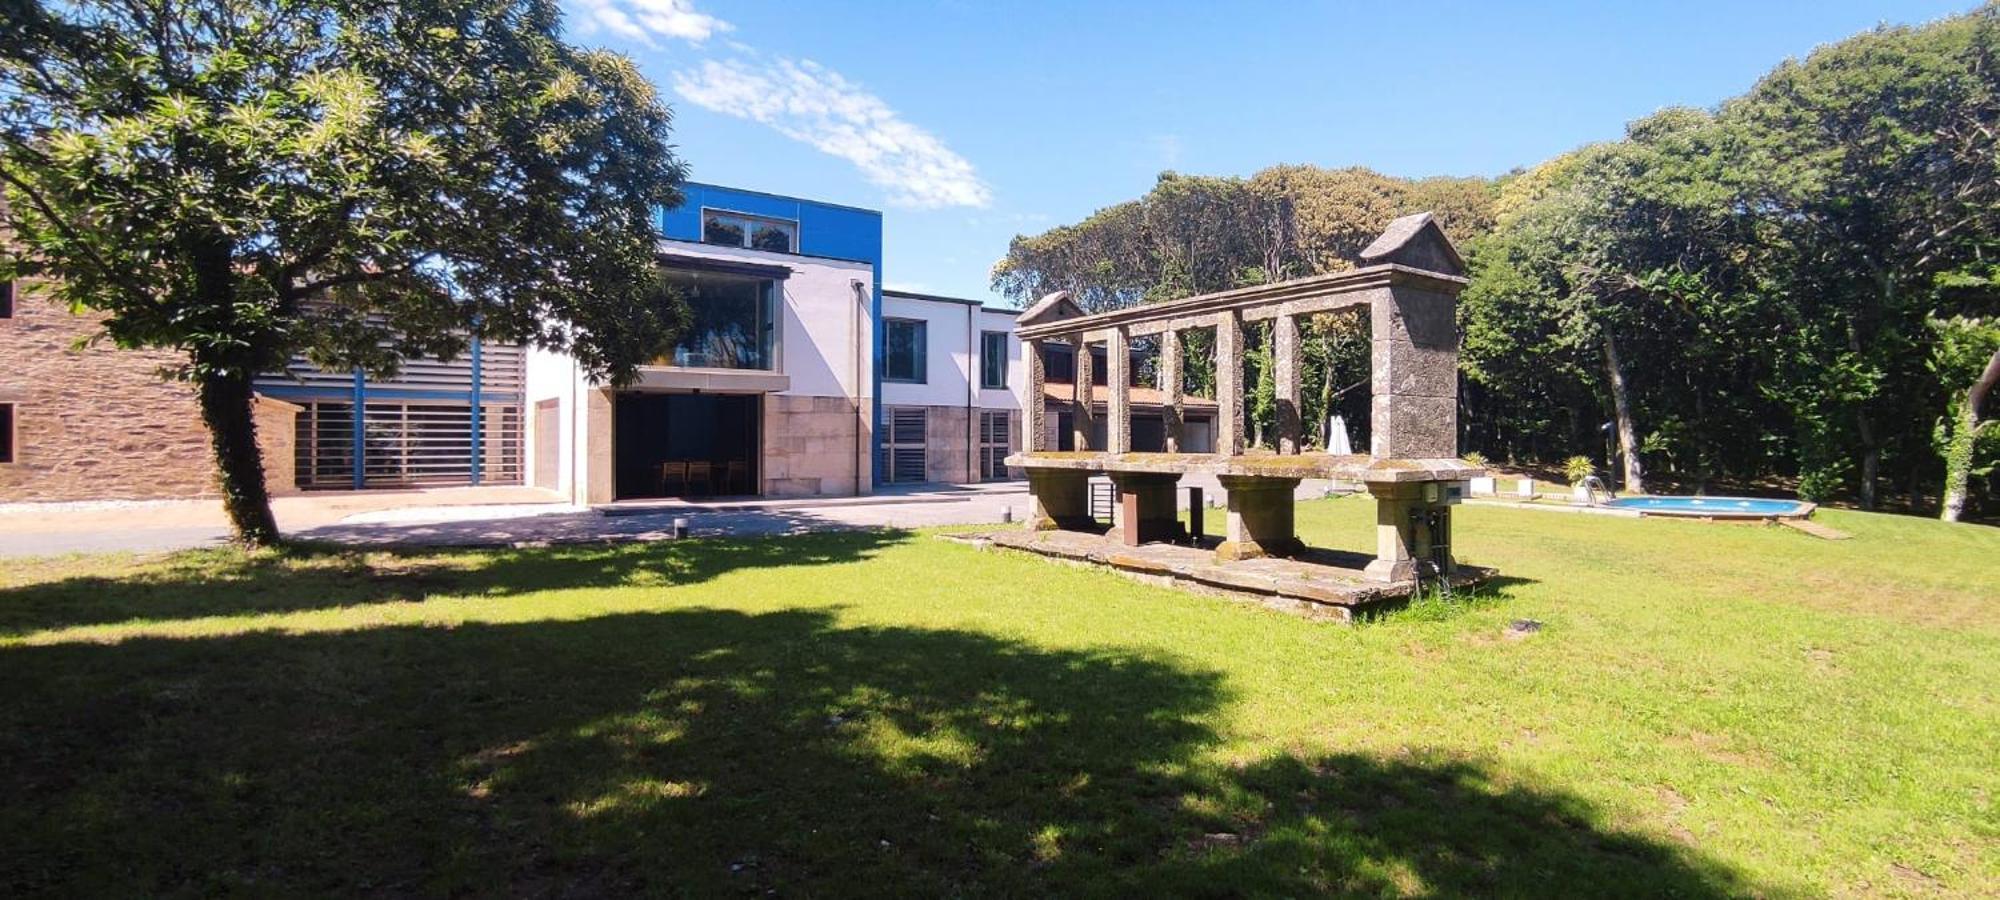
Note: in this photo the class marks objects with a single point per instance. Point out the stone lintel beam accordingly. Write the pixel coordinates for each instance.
(1260, 521)
(1172, 411)
(1080, 402)
(1062, 500)
(1299, 296)
(1146, 507)
(1285, 372)
(1033, 437)
(1118, 378)
(1229, 386)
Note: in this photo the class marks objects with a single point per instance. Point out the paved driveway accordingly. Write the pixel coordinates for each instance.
(502, 517)
(450, 520)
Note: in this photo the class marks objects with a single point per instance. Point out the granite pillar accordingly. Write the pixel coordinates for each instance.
(1413, 373)
(1229, 384)
(1171, 409)
(1032, 436)
(1062, 500)
(1260, 521)
(1080, 402)
(1285, 372)
(1118, 378)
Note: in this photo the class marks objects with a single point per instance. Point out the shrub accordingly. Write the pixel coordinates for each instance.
(1475, 458)
(1577, 468)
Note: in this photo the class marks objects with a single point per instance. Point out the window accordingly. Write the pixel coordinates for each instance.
(903, 451)
(755, 232)
(993, 360)
(732, 321)
(903, 350)
(6, 432)
(994, 427)
(6, 299)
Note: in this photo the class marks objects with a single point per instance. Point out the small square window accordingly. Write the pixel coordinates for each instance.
(6, 432)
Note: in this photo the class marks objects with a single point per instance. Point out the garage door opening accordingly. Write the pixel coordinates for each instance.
(687, 445)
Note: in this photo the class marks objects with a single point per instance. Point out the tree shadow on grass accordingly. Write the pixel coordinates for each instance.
(298, 578)
(706, 751)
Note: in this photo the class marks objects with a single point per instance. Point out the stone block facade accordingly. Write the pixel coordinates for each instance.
(99, 423)
(815, 446)
(96, 422)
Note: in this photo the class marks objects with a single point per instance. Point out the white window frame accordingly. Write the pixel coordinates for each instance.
(750, 221)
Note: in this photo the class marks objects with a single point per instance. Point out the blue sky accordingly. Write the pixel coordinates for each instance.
(967, 123)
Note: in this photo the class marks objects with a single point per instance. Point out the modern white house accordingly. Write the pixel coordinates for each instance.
(799, 377)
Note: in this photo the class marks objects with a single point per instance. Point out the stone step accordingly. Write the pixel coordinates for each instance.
(1815, 529)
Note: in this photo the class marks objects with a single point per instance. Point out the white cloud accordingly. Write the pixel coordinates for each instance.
(643, 20)
(810, 103)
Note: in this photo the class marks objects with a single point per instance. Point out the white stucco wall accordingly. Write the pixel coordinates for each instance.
(952, 355)
(818, 337)
(825, 348)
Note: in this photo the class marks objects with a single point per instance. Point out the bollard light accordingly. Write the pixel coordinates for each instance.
(1006, 515)
(680, 528)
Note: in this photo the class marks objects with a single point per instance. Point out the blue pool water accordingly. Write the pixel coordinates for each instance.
(1710, 506)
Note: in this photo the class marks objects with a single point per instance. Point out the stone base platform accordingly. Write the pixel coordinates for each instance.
(1317, 583)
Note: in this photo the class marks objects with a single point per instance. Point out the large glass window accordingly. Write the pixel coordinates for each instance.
(754, 232)
(733, 321)
(903, 350)
(993, 360)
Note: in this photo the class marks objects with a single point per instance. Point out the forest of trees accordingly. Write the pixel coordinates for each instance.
(1799, 287)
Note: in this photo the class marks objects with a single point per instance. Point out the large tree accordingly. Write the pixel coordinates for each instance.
(246, 180)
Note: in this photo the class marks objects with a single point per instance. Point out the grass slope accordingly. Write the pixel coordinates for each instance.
(1709, 710)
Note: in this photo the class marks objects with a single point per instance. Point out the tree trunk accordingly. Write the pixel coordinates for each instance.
(1621, 405)
(1871, 458)
(1965, 429)
(226, 408)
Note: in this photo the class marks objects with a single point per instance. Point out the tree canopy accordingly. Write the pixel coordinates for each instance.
(245, 180)
(1798, 284)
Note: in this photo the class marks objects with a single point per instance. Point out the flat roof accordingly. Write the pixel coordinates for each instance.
(777, 196)
(940, 298)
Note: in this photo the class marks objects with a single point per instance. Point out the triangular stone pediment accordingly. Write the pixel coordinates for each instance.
(1416, 241)
(1052, 308)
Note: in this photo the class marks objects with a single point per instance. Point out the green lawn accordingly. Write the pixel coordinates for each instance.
(1709, 710)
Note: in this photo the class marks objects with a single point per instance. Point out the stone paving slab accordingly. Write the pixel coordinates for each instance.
(1320, 583)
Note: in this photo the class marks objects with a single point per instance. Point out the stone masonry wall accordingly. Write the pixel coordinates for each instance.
(101, 424)
(97, 423)
(809, 446)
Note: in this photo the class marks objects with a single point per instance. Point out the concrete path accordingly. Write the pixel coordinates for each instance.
(469, 519)
(510, 516)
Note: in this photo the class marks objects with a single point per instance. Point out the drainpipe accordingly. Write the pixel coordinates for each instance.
(854, 354)
(972, 392)
(575, 432)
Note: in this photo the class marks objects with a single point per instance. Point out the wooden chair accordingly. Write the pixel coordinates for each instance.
(701, 474)
(736, 477)
(675, 473)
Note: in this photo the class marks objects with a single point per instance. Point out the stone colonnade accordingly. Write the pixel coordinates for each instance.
(1409, 286)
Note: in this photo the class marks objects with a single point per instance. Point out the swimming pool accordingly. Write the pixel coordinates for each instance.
(1715, 507)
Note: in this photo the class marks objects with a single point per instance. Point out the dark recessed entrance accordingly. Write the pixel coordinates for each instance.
(687, 445)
